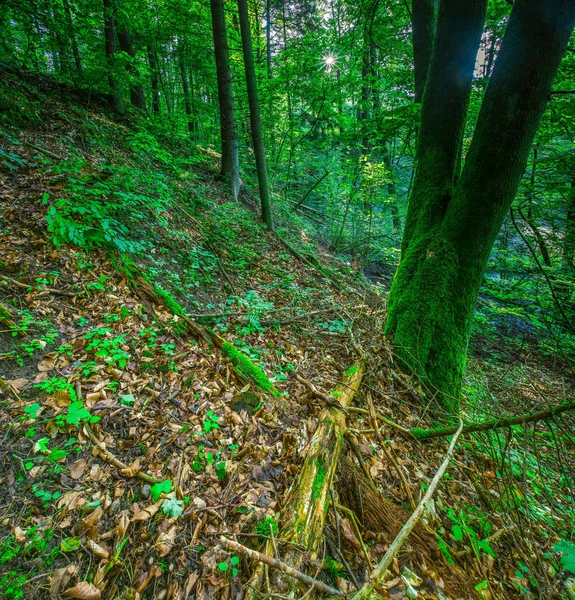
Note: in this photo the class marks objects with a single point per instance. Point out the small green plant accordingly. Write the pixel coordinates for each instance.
(211, 421)
(172, 506)
(164, 487)
(233, 562)
(567, 549)
(267, 527)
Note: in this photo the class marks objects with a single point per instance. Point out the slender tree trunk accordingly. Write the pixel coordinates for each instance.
(137, 97)
(269, 38)
(569, 237)
(72, 36)
(153, 60)
(110, 47)
(186, 89)
(434, 293)
(255, 119)
(391, 190)
(230, 170)
(423, 20)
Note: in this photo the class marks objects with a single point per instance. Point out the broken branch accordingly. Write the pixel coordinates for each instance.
(280, 566)
(377, 574)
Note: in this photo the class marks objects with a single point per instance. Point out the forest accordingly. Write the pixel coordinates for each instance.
(287, 299)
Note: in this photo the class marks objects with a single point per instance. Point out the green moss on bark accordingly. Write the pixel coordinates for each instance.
(245, 367)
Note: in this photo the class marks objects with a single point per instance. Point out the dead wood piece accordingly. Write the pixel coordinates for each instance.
(280, 566)
(44, 151)
(44, 289)
(375, 577)
(107, 455)
(309, 496)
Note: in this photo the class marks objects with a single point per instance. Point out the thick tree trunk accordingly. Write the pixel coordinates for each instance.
(230, 170)
(423, 19)
(443, 113)
(433, 297)
(72, 36)
(110, 48)
(153, 60)
(255, 119)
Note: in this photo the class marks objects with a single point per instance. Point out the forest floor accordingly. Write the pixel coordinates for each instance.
(129, 445)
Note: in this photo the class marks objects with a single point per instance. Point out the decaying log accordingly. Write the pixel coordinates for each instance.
(308, 500)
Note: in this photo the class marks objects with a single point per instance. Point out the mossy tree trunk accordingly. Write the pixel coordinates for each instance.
(230, 169)
(255, 119)
(423, 19)
(452, 227)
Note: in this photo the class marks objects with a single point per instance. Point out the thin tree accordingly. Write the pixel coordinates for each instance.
(110, 49)
(230, 169)
(153, 62)
(255, 119)
(453, 221)
(72, 36)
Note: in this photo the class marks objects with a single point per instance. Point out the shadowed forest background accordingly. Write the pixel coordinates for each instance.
(260, 260)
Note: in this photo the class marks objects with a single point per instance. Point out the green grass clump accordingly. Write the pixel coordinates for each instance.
(244, 366)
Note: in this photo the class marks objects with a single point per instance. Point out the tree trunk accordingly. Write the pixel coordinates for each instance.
(269, 38)
(434, 292)
(230, 170)
(137, 97)
(255, 119)
(569, 237)
(110, 47)
(153, 60)
(186, 90)
(72, 35)
(423, 17)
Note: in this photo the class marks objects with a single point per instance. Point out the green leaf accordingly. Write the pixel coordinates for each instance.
(32, 410)
(41, 445)
(127, 399)
(234, 560)
(172, 507)
(70, 544)
(165, 487)
(223, 566)
(457, 533)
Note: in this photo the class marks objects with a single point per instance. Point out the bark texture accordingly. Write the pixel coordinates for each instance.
(423, 17)
(255, 118)
(230, 170)
(434, 292)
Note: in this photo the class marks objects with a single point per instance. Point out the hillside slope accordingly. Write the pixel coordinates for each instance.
(130, 444)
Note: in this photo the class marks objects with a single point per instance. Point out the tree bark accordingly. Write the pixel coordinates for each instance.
(153, 60)
(569, 236)
(423, 18)
(255, 119)
(72, 36)
(434, 292)
(269, 38)
(230, 169)
(186, 89)
(137, 97)
(110, 49)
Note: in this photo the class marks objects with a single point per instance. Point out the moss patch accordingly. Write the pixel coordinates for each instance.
(244, 366)
(319, 479)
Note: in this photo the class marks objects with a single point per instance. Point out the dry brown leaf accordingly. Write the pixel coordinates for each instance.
(19, 534)
(61, 578)
(71, 500)
(98, 550)
(148, 512)
(122, 526)
(165, 541)
(190, 583)
(84, 591)
(77, 469)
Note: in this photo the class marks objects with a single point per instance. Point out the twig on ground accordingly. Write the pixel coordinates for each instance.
(377, 574)
(44, 151)
(280, 566)
(44, 289)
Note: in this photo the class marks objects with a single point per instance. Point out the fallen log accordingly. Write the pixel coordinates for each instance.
(427, 434)
(308, 500)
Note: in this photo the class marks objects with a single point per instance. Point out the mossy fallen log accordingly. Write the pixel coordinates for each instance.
(427, 434)
(308, 499)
